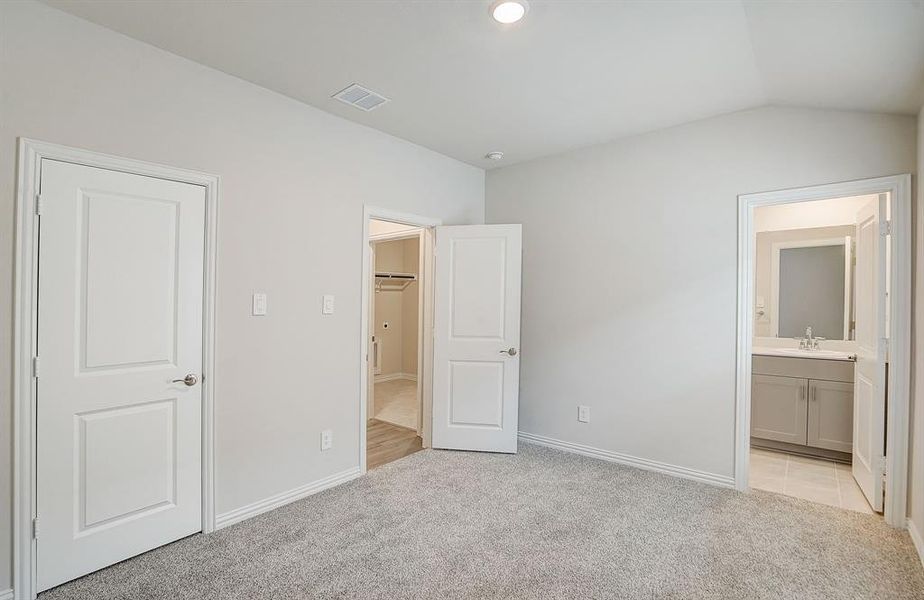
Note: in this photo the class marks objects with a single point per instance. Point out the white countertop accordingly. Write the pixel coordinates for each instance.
(796, 353)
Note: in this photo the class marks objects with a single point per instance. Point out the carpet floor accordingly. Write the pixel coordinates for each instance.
(541, 524)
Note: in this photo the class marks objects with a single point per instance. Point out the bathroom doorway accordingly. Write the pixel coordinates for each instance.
(823, 321)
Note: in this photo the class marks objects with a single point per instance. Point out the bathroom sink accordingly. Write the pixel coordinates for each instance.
(797, 353)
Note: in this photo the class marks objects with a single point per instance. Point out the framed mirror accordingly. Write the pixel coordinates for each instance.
(811, 287)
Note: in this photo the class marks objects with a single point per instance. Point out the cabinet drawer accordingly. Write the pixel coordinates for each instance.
(804, 368)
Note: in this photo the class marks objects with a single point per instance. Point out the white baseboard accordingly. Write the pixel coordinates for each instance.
(6, 594)
(917, 539)
(632, 461)
(251, 510)
(394, 376)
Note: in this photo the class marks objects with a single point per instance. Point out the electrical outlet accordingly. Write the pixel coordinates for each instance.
(584, 414)
(327, 439)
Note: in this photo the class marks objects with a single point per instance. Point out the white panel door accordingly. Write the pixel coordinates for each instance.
(121, 263)
(476, 360)
(869, 386)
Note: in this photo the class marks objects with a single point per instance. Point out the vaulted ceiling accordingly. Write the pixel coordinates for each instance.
(570, 74)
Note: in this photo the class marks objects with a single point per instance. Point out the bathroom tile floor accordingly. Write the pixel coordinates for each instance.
(811, 479)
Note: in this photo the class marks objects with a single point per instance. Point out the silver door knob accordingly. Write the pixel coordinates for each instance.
(510, 351)
(189, 380)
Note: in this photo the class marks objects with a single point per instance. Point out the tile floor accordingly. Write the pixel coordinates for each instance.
(396, 402)
(812, 479)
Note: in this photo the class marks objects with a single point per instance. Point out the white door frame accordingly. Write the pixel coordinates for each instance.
(899, 380)
(425, 318)
(25, 298)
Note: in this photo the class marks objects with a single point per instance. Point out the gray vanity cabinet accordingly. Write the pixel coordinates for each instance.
(802, 405)
(778, 408)
(830, 415)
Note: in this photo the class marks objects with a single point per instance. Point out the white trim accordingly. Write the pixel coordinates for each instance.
(633, 461)
(425, 315)
(395, 376)
(6, 594)
(405, 234)
(31, 154)
(916, 539)
(273, 502)
(848, 285)
(899, 189)
(775, 279)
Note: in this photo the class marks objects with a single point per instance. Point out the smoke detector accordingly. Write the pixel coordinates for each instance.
(494, 155)
(360, 97)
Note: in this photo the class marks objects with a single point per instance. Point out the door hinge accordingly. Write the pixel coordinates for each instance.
(35, 367)
(35, 528)
(883, 466)
(885, 227)
(38, 204)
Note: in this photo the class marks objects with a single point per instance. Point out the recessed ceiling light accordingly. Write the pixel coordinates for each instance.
(509, 11)
(494, 155)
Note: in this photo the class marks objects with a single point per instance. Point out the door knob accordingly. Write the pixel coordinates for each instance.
(189, 380)
(510, 351)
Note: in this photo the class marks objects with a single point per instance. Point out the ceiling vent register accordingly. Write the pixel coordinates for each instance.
(360, 97)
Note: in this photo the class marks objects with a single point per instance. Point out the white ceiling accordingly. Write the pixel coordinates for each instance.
(572, 73)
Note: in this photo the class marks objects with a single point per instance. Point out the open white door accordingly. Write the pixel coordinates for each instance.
(869, 396)
(476, 360)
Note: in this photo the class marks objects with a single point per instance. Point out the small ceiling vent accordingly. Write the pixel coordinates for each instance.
(360, 97)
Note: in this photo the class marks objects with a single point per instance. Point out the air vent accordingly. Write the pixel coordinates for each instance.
(358, 96)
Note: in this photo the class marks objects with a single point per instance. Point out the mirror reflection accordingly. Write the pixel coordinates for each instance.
(804, 283)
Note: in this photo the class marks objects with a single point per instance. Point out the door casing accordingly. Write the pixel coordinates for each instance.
(899, 374)
(25, 323)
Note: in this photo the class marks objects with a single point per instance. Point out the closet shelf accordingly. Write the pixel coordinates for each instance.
(386, 281)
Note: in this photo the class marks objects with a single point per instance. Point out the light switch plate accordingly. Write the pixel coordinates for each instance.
(584, 414)
(327, 439)
(259, 305)
(327, 304)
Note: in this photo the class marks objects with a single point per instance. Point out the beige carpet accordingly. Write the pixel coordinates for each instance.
(541, 524)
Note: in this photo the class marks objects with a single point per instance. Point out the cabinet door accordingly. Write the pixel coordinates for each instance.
(830, 415)
(778, 408)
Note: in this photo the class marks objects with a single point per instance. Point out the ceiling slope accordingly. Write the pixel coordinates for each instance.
(570, 74)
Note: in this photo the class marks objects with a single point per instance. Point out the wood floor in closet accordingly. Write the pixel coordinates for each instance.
(386, 443)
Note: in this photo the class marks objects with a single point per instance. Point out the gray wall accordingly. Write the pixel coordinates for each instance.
(629, 270)
(294, 180)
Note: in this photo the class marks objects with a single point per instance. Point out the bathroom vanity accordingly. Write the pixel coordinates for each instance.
(802, 402)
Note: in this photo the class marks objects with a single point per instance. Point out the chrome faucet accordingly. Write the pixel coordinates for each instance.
(809, 341)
